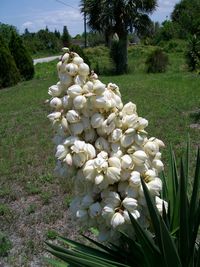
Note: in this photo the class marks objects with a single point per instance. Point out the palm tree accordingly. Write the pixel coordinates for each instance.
(118, 16)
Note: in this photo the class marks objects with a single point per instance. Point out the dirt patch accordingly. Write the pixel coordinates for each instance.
(29, 225)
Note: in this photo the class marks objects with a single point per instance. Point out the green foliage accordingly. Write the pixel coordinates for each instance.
(193, 54)
(66, 38)
(5, 245)
(22, 57)
(186, 16)
(9, 74)
(41, 41)
(95, 39)
(167, 31)
(174, 241)
(6, 31)
(157, 61)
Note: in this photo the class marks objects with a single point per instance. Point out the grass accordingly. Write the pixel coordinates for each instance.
(27, 153)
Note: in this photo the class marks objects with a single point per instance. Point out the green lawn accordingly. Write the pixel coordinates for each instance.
(27, 154)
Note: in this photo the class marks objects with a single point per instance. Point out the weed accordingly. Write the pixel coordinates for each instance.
(31, 188)
(31, 209)
(5, 211)
(46, 196)
(5, 245)
(51, 234)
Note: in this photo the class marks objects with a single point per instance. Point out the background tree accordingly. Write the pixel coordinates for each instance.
(66, 38)
(9, 74)
(186, 15)
(118, 16)
(21, 56)
(6, 31)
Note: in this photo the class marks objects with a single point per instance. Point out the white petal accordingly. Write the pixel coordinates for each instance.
(117, 220)
(86, 201)
(129, 109)
(99, 87)
(79, 159)
(113, 175)
(83, 69)
(115, 135)
(130, 203)
(158, 165)
(96, 120)
(89, 173)
(79, 102)
(72, 69)
(99, 179)
(61, 152)
(114, 162)
(56, 103)
(91, 152)
(139, 157)
(135, 179)
(126, 162)
(54, 116)
(82, 215)
(151, 148)
(72, 116)
(95, 209)
(76, 128)
(74, 90)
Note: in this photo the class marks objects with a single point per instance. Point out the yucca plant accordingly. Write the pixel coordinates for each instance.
(174, 241)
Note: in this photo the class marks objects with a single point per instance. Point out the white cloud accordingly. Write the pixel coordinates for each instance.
(164, 10)
(55, 20)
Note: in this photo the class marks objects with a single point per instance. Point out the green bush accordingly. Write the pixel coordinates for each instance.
(21, 56)
(157, 61)
(193, 54)
(9, 74)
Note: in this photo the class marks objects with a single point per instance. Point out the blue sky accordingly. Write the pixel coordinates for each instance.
(37, 14)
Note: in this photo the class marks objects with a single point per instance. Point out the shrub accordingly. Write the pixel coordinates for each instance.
(9, 74)
(193, 54)
(21, 56)
(157, 61)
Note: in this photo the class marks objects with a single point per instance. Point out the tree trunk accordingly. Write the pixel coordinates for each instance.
(122, 66)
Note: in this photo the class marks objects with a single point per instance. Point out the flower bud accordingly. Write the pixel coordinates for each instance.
(126, 162)
(74, 90)
(79, 102)
(55, 90)
(77, 60)
(96, 120)
(95, 210)
(139, 157)
(71, 69)
(72, 116)
(56, 103)
(83, 69)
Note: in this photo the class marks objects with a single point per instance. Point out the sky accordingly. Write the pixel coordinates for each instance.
(37, 14)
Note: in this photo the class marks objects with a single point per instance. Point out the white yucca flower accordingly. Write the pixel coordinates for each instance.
(103, 145)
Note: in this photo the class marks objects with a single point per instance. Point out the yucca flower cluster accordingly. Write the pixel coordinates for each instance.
(103, 146)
